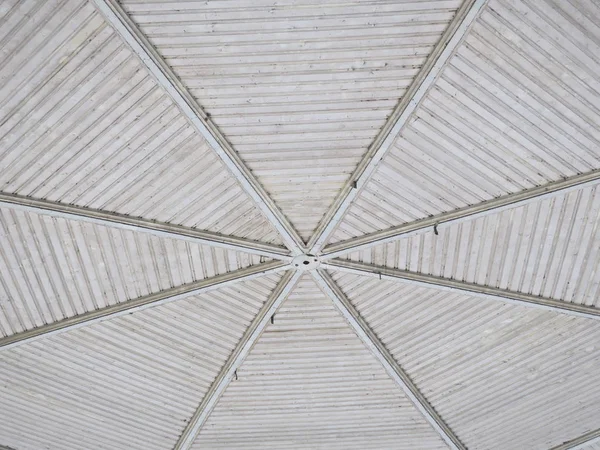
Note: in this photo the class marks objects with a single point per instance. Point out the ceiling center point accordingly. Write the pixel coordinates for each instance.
(306, 262)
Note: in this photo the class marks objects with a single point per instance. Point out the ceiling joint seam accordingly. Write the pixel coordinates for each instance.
(237, 357)
(465, 288)
(582, 442)
(471, 212)
(124, 26)
(378, 349)
(139, 224)
(176, 293)
(425, 79)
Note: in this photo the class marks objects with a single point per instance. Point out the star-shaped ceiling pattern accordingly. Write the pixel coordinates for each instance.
(299, 224)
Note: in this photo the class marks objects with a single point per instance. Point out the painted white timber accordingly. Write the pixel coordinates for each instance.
(138, 304)
(124, 26)
(125, 222)
(285, 286)
(463, 214)
(486, 292)
(364, 332)
(399, 118)
(584, 442)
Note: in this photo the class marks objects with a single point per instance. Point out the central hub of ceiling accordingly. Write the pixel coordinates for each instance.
(305, 262)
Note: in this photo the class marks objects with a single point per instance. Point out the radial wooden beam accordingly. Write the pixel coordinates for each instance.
(252, 334)
(364, 332)
(582, 442)
(155, 299)
(429, 73)
(125, 222)
(131, 34)
(476, 290)
(463, 214)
